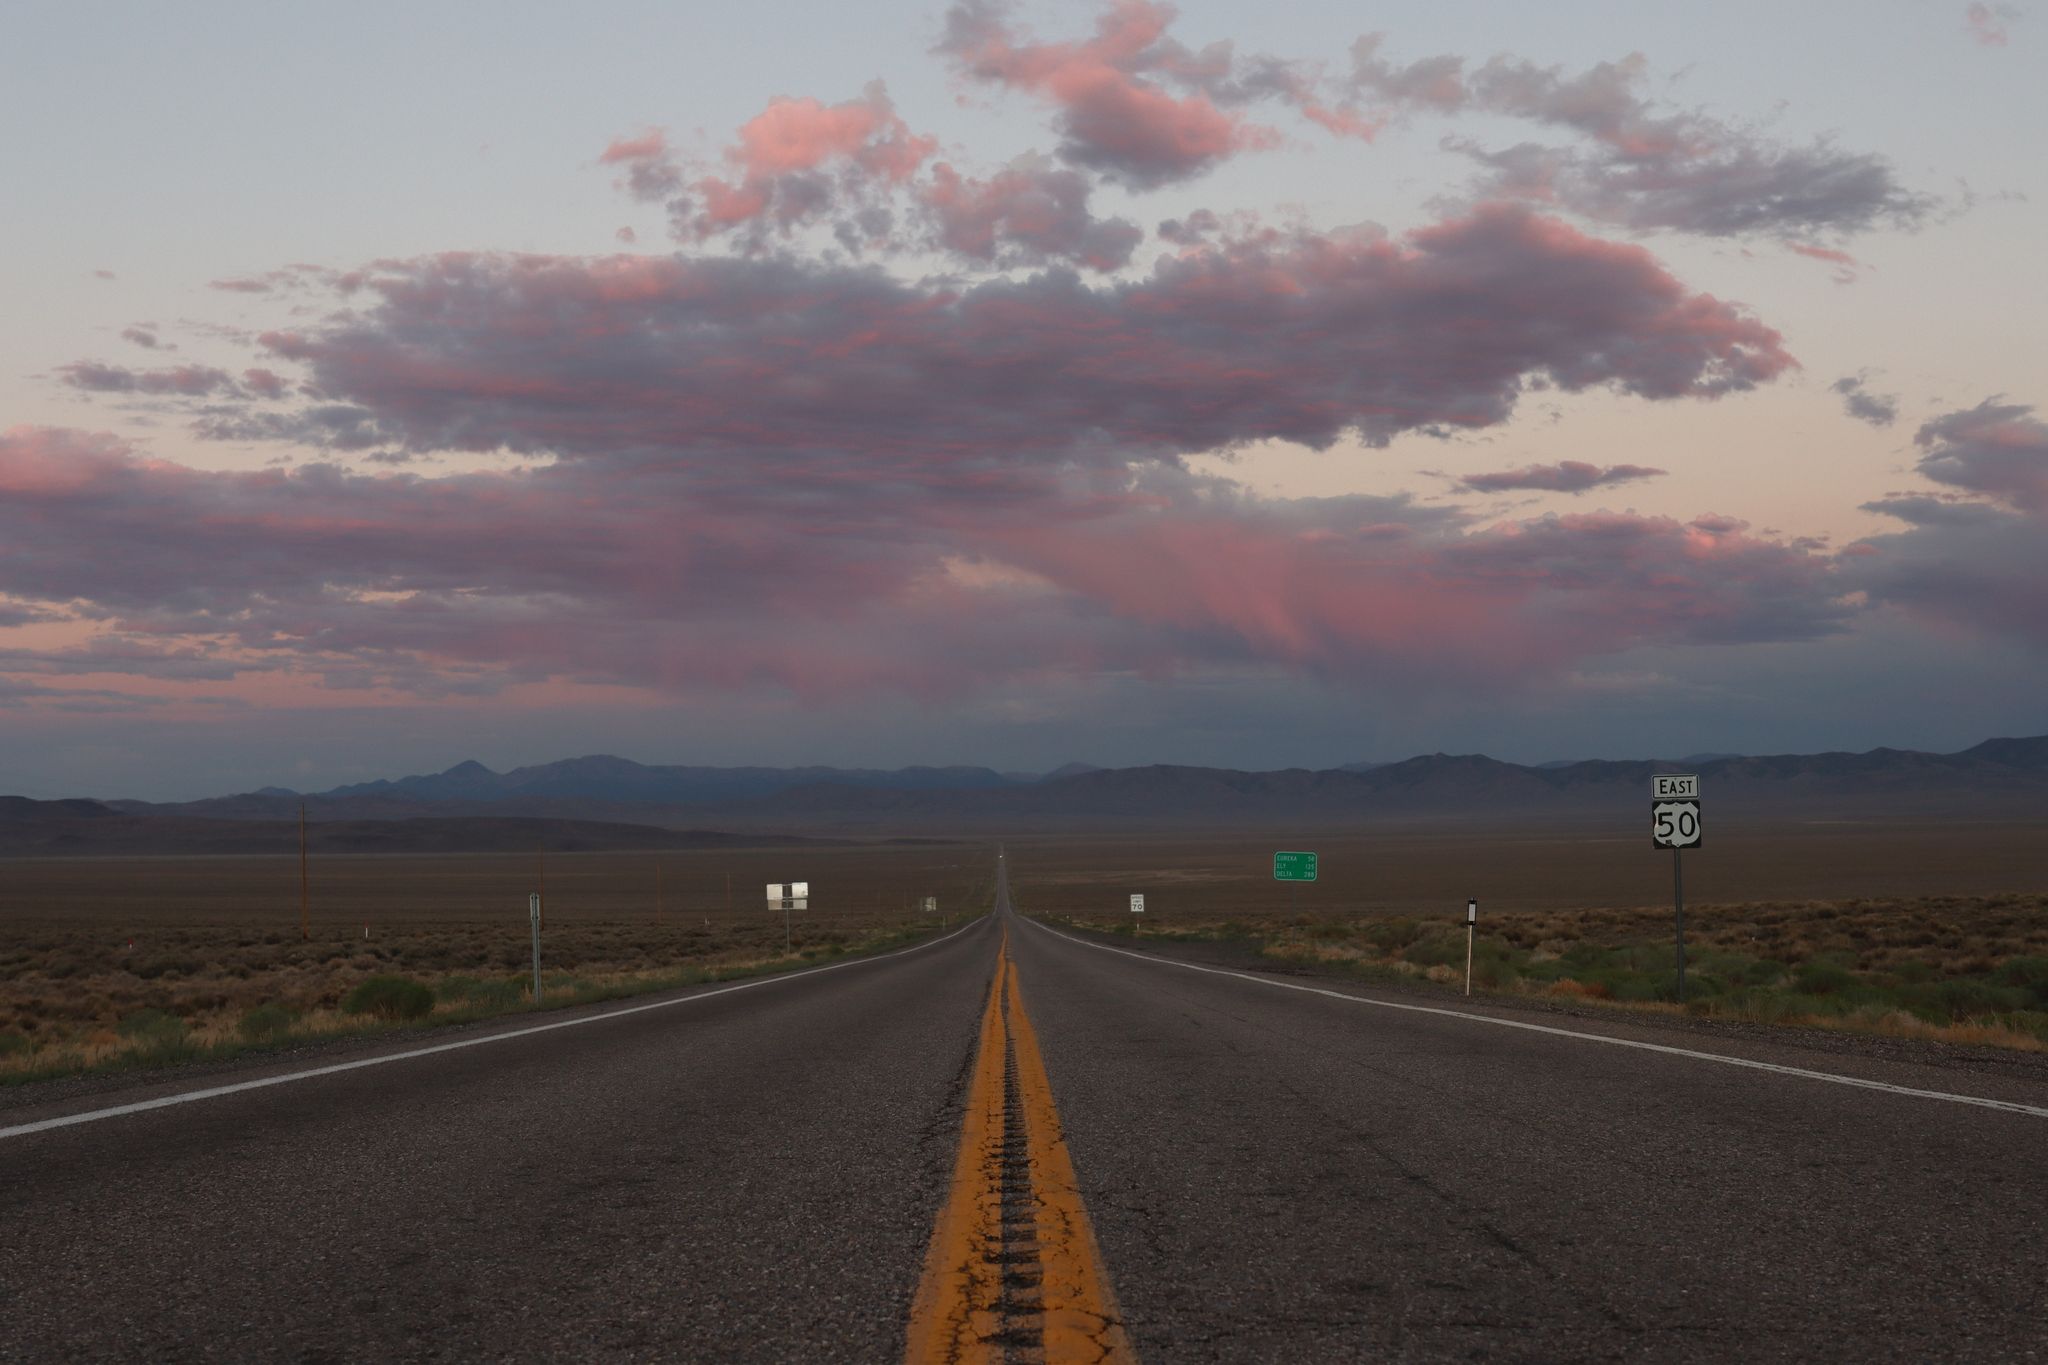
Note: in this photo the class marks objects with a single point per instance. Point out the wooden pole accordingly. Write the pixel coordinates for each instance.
(657, 888)
(541, 853)
(305, 925)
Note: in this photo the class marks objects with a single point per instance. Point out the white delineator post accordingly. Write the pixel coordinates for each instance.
(1471, 927)
(533, 914)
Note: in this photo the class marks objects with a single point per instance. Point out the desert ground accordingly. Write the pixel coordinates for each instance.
(158, 958)
(1887, 927)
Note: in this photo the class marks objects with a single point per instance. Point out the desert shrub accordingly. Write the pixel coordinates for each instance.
(485, 995)
(1494, 973)
(1393, 934)
(155, 1038)
(265, 1022)
(150, 1026)
(2029, 974)
(1820, 977)
(1762, 971)
(1441, 949)
(1581, 956)
(1961, 997)
(13, 1044)
(390, 997)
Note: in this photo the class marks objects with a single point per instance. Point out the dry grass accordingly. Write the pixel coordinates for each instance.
(1932, 931)
(155, 960)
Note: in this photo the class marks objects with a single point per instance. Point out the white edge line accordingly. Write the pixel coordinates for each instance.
(215, 1092)
(2009, 1106)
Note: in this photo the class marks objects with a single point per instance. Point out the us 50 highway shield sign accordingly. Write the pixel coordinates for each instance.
(1675, 824)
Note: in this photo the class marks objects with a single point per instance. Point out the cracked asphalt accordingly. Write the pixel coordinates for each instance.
(1272, 1176)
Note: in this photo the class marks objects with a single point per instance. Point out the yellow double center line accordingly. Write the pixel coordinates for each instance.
(1013, 1273)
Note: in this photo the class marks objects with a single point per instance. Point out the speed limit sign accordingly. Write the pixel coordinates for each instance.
(1675, 824)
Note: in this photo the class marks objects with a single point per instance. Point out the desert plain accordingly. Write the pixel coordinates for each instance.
(1936, 929)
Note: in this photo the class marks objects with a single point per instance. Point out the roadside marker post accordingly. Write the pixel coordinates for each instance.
(1471, 927)
(1675, 824)
(533, 914)
(305, 923)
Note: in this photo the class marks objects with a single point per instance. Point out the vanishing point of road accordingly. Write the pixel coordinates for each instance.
(1011, 1144)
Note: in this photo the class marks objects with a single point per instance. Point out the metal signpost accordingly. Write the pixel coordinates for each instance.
(533, 913)
(1471, 927)
(1675, 824)
(1294, 867)
(793, 896)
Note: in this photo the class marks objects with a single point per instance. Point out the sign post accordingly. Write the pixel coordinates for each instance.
(533, 914)
(1675, 824)
(1294, 867)
(1471, 927)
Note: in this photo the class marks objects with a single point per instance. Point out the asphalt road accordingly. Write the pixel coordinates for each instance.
(1272, 1174)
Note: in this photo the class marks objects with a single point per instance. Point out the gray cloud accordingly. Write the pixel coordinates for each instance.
(1566, 476)
(1976, 558)
(1640, 167)
(1879, 410)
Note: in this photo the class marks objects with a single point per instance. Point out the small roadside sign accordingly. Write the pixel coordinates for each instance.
(1675, 824)
(931, 905)
(1294, 867)
(1137, 905)
(1675, 787)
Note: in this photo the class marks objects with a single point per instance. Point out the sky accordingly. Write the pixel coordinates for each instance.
(383, 386)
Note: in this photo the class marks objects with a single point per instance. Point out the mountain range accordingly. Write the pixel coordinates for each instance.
(607, 801)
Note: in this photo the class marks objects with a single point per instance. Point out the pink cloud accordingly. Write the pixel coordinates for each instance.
(1302, 338)
(798, 162)
(1847, 268)
(1134, 104)
(1987, 23)
(651, 170)
(263, 383)
(1029, 213)
(641, 577)
(803, 134)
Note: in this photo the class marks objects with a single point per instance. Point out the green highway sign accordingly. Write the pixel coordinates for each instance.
(1294, 867)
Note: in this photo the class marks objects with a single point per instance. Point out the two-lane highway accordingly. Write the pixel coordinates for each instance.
(1276, 1174)
(747, 1177)
(1012, 1144)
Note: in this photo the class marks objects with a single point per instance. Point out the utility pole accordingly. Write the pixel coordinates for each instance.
(540, 895)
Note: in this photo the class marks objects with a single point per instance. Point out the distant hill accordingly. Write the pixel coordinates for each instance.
(605, 777)
(2004, 779)
(1998, 779)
